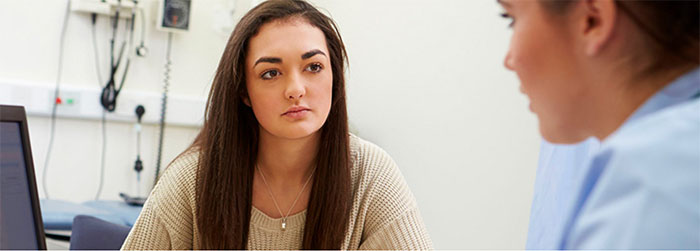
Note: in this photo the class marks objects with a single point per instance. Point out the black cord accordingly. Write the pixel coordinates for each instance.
(115, 26)
(55, 99)
(128, 31)
(138, 164)
(166, 84)
(103, 122)
(129, 25)
(110, 92)
(96, 51)
(104, 152)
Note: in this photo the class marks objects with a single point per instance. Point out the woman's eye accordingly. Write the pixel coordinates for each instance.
(316, 67)
(508, 16)
(270, 74)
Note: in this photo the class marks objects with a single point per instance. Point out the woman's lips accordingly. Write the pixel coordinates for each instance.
(296, 113)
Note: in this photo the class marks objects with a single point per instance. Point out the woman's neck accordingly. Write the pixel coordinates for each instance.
(287, 160)
(619, 96)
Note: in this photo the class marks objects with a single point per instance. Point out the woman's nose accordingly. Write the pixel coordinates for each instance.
(295, 89)
(508, 62)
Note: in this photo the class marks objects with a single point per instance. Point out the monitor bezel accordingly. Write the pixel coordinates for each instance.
(9, 113)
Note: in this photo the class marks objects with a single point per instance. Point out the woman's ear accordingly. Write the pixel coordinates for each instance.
(246, 100)
(598, 24)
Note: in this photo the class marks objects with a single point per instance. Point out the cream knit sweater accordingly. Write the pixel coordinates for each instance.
(384, 212)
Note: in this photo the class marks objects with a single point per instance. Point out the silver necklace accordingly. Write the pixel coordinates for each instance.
(284, 217)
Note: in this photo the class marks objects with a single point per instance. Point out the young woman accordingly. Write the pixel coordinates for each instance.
(274, 166)
(625, 72)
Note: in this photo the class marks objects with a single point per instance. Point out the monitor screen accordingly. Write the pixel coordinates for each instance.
(17, 229)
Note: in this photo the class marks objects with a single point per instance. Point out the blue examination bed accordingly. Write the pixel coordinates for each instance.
(58, 214)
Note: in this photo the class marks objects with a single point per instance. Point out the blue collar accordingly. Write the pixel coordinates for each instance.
(680, 90)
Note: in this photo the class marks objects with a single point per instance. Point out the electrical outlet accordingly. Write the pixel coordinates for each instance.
(70, 103)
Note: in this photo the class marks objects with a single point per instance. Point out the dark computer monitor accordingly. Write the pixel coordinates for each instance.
(21, 226)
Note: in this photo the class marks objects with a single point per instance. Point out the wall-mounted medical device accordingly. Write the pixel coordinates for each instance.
(106, 7)
(174, 15)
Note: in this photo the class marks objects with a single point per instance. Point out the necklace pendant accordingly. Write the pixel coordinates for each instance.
(284, 224)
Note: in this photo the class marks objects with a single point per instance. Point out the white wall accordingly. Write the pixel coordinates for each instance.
(425, 82)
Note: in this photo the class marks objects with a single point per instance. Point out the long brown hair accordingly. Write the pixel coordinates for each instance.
(672, 28)
(228, 143)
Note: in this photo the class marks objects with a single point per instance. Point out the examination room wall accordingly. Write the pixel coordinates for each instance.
(426, 82)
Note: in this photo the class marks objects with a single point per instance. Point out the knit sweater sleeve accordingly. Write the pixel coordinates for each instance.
(393, 218)
(166, 221)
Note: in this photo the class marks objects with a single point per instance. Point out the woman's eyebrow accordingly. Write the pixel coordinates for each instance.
(276, 60)
(311, 53)
(272, 60)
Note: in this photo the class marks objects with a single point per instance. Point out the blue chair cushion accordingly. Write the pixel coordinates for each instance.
(95, 234)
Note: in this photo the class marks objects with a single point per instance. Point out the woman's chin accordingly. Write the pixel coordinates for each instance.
(297, 132)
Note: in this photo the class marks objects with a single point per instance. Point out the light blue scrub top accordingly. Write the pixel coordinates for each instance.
(559, 176)
(642, 189)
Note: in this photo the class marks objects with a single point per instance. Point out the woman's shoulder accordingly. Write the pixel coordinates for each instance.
(179, 178)
(380, 190)
(366, 154)
(372, 166)
(185, 164)
(376, 174)
(671, 130)
(657, 148)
